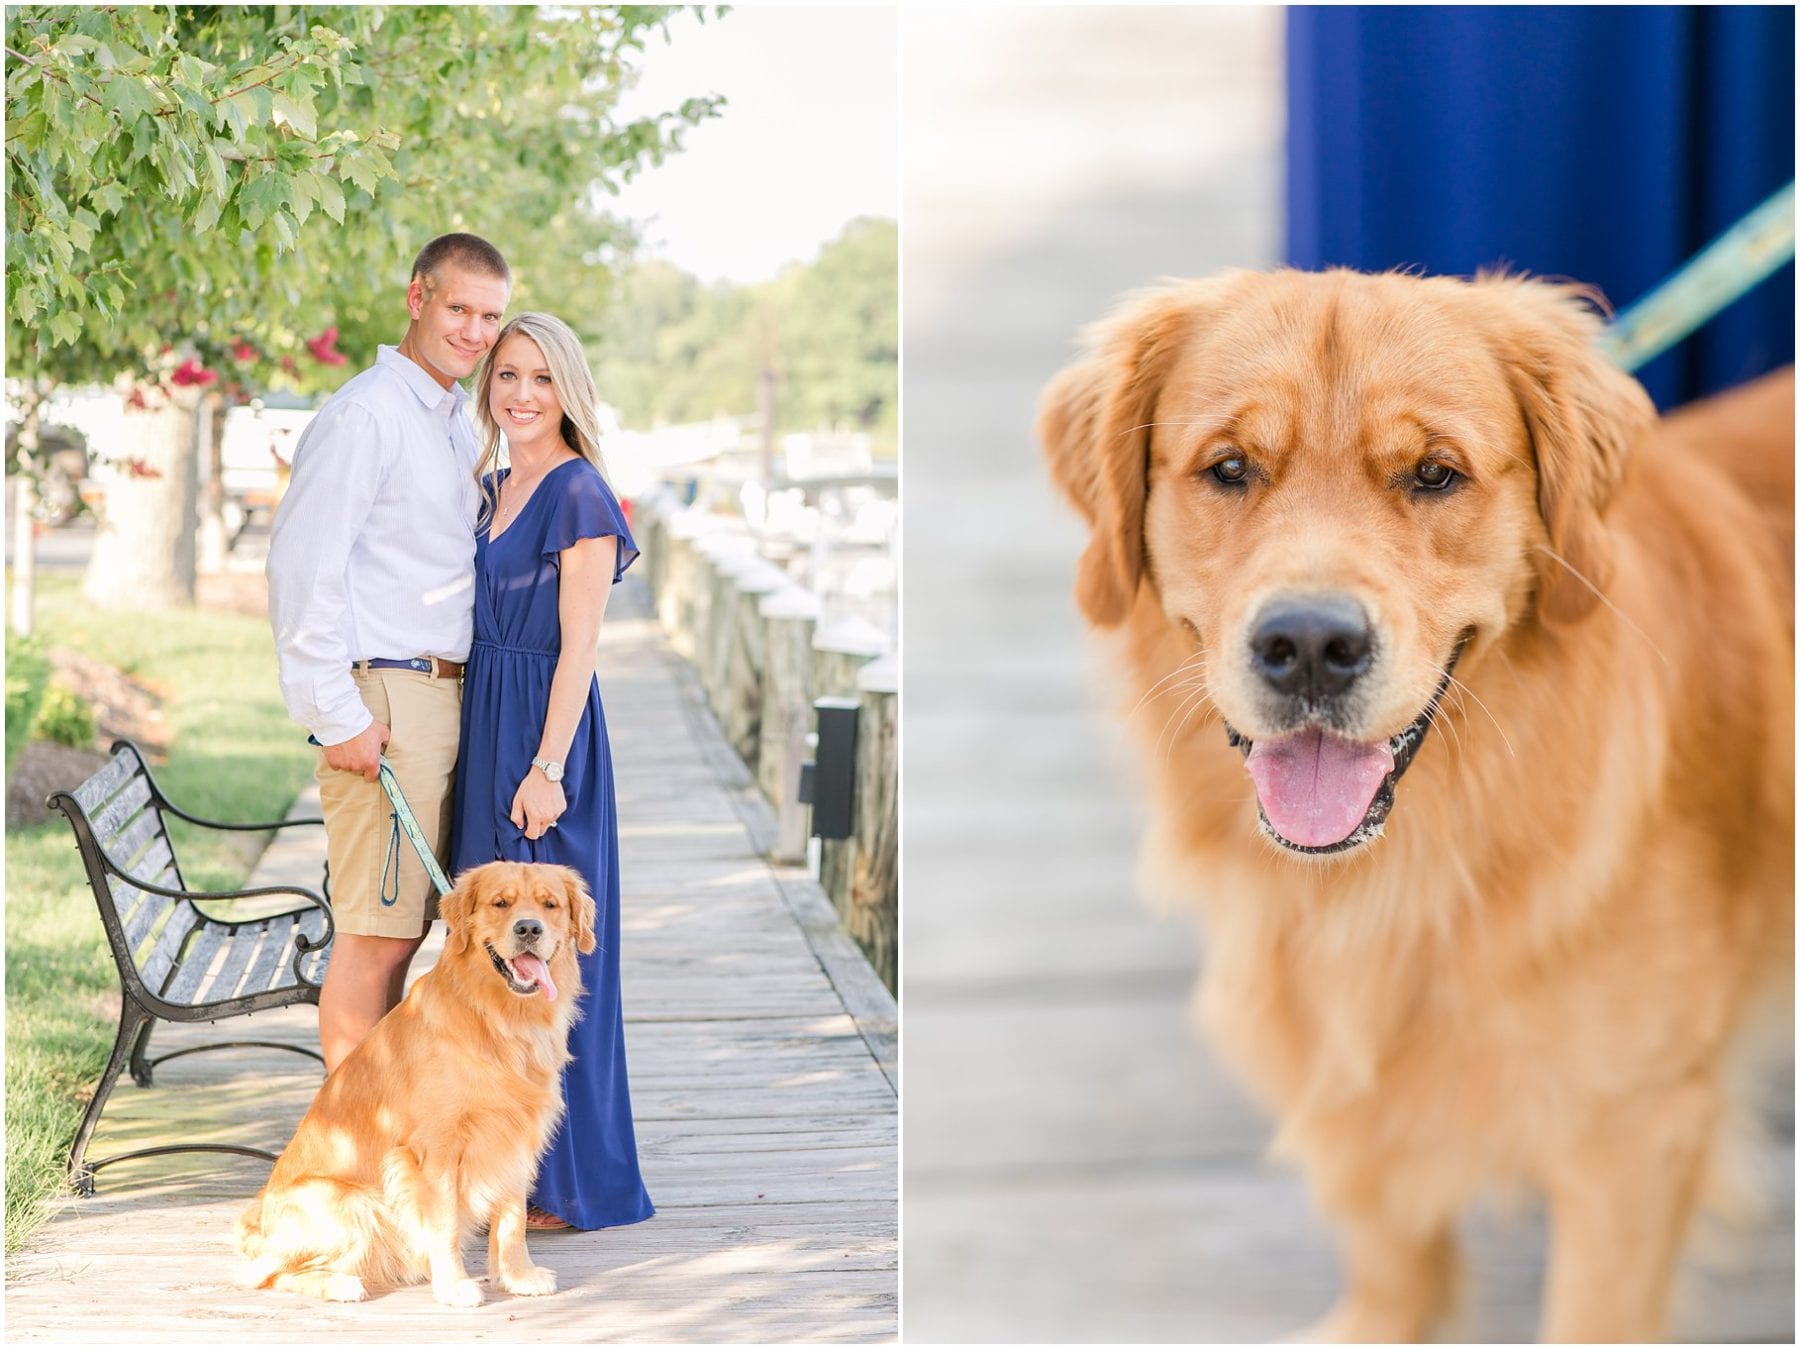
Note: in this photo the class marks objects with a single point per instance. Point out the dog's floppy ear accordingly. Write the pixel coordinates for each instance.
(1583, 415)
(457, 909)
(1094, 423)
(581, 910)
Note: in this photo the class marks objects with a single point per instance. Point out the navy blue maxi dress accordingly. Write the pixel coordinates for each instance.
(589, 1177)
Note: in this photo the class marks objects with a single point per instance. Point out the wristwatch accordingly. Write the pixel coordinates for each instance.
(552, 769)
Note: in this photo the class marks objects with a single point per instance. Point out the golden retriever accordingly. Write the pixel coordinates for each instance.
(1332, 514)
(433, 1126)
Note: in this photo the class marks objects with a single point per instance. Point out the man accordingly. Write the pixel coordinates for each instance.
(371, 591)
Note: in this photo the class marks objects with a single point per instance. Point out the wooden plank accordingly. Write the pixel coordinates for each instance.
(244, 945)
(272, 956)
(122, 851)
(155, 966)
(104, 783)
(147, 909)
(195, 962)
(158, 864)
(120, 810)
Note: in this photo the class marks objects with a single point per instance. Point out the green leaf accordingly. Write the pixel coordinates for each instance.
(127, 96)
(197, 104)
(33, 130)
(297, 115)
(217, 182)
(359, 170)
(284, 227)
(330, 195)
(230, 113)
(73, 44)
(206, 215)
(302, 195)
(64, 328)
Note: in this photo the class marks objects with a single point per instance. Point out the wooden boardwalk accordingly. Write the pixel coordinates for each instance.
(763, 1082)
(1077, 1166)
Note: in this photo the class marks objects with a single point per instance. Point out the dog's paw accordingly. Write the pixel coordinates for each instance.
(457, 1292)
(534, 1282)
(345, 1288)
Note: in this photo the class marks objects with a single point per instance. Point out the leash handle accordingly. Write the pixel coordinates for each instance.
(1726, 269)
(404, 818)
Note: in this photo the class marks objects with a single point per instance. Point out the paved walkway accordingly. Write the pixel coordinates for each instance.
(763, 1078)
(1077, 1166)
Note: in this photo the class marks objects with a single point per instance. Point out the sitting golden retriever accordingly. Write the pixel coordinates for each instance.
(1333, 514)
(433, 1126)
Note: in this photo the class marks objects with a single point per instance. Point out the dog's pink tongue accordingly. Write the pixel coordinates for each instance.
(533, 967)
(1315, 788)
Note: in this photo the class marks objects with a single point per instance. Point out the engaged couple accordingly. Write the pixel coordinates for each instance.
(434, 607)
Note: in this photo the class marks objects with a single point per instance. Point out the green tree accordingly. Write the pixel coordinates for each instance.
(199, 195)
(840, 332)
(670, 350)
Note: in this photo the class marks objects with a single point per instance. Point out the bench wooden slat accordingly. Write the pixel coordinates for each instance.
(144, 915)
(125, 848)
(92, 793)
(157, 866)
(244, 945)
(118, 813)
(195, 963)
(168, 945)
(277, 950)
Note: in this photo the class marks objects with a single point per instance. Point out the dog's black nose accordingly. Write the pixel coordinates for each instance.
(527, 930)
(1312, 648)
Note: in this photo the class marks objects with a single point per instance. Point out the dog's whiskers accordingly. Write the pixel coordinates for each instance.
(1193, 662)
(1601, 596)
(1464, 691)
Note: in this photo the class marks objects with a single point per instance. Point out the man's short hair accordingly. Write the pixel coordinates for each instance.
(462, 250)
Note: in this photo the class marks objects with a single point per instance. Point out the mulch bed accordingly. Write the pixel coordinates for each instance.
(124, 709)
(42, 768)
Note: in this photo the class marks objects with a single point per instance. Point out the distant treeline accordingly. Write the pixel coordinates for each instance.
(671, 350)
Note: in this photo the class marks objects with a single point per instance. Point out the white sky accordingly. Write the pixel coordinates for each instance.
(808, 139)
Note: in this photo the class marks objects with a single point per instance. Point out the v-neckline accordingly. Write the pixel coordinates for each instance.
(518, 515)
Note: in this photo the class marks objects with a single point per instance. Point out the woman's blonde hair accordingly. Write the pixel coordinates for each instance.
(574, 383)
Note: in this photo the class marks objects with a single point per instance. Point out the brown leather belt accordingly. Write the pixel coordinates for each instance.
(435, 666)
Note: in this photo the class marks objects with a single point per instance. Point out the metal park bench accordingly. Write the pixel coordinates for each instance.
(175, 961)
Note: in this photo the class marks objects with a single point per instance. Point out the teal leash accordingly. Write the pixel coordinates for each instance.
(1727, 268)
(404, 821)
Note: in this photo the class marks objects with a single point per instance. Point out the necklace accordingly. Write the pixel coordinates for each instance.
(521, 492)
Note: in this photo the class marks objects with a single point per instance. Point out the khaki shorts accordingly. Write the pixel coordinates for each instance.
(379, 888)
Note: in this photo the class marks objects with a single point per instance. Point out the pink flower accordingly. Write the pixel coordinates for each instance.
(323, 351)
(243, 351)
(192, 372)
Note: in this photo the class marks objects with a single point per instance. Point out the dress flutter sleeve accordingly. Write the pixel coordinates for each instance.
(588, 509)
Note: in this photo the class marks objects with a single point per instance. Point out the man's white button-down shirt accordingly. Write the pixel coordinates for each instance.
(373, 553)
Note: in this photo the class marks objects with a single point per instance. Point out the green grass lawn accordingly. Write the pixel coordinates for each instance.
(235, 756)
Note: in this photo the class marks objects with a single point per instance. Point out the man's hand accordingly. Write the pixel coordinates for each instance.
(360, 753)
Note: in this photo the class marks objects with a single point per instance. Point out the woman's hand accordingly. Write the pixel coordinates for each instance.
(538, 804)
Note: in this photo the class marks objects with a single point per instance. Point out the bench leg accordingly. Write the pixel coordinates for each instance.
(141, 1067)
(132, 1021)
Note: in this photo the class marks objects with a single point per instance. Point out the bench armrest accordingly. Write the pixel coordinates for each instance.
(313, 899)
(181, 814)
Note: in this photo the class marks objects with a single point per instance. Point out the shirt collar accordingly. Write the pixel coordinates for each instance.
(426, 389)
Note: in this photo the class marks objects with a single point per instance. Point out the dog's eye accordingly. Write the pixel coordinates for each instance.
(1231, 472)
(502, 903)
(1433, 476)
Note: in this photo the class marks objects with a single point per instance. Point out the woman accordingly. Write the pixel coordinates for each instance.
(534, 777)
